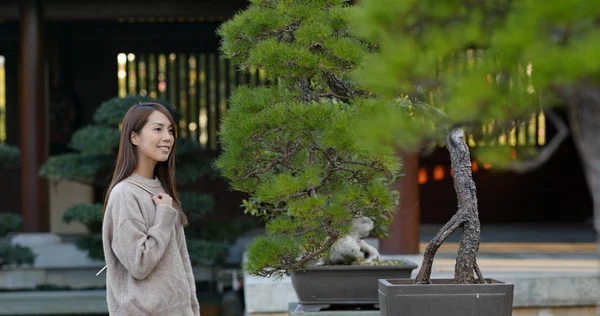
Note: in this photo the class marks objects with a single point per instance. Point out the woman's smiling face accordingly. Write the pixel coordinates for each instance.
(155, 140)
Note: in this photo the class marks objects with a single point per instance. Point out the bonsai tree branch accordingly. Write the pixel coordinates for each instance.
(288, 150)
(466, 217)
(256, 172)
(299, 262)
(306, 231)
(330, 241)
(337, 86)
(303, 84)
(480, 277)
(424, 275)
(332, 95)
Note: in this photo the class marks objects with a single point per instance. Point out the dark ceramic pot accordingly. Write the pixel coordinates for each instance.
(327, 285)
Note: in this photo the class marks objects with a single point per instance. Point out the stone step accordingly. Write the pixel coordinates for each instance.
(53, 303)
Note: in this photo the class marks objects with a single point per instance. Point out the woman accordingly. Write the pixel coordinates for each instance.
(148, 266)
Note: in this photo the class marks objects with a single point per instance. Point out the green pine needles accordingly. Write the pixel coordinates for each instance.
(292, 145)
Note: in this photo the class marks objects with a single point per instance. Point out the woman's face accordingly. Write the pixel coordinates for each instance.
(156, 138)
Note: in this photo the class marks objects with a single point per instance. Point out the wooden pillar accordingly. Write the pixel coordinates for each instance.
(404, 233)
(33, 117)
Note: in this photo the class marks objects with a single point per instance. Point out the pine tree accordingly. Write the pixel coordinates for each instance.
(464, 64)
(291, 145)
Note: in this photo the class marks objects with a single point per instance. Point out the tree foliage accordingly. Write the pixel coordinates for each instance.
(11, 254)
(292, 144)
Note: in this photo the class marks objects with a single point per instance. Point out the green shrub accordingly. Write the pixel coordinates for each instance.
(89, 215)
(12, 254)
(15, 254)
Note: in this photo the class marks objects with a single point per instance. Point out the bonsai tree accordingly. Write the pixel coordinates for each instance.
(467, 63)
(95, 149)
(291, 145)
(10, 254)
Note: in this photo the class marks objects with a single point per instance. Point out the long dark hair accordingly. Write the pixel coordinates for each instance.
(127, 158)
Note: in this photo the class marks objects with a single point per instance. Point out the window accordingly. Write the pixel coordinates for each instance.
(198, 85)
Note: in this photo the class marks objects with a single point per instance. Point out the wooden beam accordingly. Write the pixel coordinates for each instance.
(33, 115)
(404, 234)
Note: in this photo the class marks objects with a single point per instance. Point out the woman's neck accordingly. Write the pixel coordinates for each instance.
(145, 169)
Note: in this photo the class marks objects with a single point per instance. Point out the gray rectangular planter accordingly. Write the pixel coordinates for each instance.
(400, 297)
(323, 286)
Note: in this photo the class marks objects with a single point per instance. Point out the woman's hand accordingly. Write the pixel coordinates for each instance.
(163, 198)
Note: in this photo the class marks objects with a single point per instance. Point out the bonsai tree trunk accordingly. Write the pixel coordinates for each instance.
(466, 217)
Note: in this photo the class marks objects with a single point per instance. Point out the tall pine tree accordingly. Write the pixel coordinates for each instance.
(291, 145)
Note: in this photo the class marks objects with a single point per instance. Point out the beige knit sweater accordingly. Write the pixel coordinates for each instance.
(148, 266)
